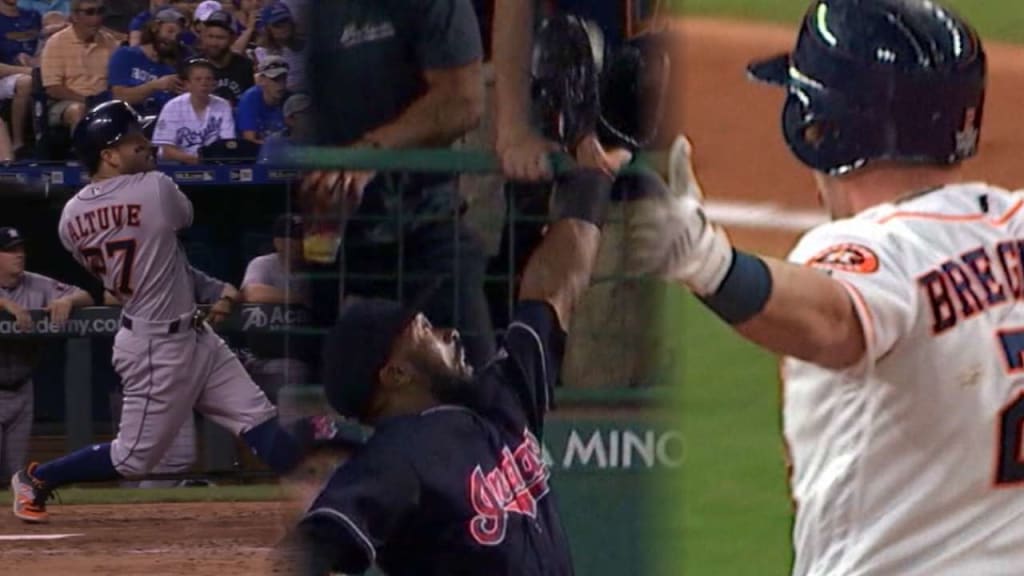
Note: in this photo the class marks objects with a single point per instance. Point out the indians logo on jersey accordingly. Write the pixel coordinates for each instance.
(846, 257)
(515, 486)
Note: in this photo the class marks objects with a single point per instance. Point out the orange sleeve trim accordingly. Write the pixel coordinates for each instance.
(867, 320)
(1002, 219)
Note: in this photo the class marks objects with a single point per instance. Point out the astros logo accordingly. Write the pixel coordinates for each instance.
(846, 257)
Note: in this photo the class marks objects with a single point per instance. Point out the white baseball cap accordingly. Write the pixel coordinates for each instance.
(206, 8)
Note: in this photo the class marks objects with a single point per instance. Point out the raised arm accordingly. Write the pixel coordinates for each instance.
(559, 269)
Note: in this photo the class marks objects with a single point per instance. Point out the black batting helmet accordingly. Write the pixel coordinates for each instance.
(568, 55)
(102, 127)
(870, 80)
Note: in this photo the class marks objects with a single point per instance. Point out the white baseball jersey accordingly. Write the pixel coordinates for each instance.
(124, 230)
(180, 125)
(911, 462)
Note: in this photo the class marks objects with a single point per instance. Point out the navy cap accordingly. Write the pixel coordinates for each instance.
(10, 237)
(276, 12)
(357, 348)
(288, 226)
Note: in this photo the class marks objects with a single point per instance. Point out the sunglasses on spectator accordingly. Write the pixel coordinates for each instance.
(94, 11)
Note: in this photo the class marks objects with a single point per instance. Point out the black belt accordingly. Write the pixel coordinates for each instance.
(172, 328)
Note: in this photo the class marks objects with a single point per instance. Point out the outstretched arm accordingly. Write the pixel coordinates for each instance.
(787, 308)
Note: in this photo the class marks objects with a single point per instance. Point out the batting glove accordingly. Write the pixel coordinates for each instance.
(672, 237)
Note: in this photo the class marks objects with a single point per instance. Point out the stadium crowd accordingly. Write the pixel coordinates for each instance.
(215, 80)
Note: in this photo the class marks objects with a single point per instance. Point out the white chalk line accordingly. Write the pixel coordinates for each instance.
(21, 537)
(763, 216)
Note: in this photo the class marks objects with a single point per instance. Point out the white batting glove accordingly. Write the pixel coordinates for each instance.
(672, 238)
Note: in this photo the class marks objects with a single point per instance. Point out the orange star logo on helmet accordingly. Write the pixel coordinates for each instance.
(847, 258)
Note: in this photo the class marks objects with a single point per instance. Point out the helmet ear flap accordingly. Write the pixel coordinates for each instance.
(825, 134)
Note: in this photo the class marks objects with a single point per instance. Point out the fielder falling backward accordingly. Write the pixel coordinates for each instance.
(901, 319)
(123, 228)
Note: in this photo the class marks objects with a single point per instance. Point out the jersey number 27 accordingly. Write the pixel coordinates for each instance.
(97, 259)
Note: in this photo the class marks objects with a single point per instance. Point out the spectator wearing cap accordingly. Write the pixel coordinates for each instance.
(202, 12)
(142, 18)
(298, 123)
(20, 32)
(145, 76)
(74, 64)
(277, 278)
(194, 119)
(234, 71)
(279, 38)
(420, 84)
(20, 292)
(259, 111)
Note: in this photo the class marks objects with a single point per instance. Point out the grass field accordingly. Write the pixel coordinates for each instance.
(736, 511)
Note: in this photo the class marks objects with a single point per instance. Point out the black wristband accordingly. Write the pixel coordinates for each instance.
(744, 291)
(582, 194)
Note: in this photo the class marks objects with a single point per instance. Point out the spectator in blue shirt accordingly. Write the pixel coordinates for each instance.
(44, 6)
(145, 76)
(259, 112)
(20, 30)
(298, 120)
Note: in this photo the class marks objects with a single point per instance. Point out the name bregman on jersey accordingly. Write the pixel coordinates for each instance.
(961, 288)
(84, 226)
(515, 486)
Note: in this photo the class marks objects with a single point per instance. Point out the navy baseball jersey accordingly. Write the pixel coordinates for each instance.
(461, 489)
(19, 35)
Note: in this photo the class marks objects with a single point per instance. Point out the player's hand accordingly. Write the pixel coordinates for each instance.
(671, 237)
(22, 319)
(591, 154)
(60, 310)
(219, 312)
(525, 156)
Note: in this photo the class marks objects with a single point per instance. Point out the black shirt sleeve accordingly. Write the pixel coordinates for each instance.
(519, 383)
(368, 498)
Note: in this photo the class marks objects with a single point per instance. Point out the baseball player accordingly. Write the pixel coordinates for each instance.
(453, 480)
(21, 291)
(899, 320)
(123, 228)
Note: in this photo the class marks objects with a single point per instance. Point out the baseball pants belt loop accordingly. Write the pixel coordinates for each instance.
(145, 327)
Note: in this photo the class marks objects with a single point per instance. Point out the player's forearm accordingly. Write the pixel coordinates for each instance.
(809, 316)
(60, 92)
(559, 270)
(135, 38)
(450, 108)
(242, 42)
(512, 43)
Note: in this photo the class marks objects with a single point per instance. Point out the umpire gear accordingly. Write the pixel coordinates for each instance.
(102, 127)
(877, 80)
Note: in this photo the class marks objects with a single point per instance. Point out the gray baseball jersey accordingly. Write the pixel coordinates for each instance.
(269, 270)
(32, 292)
(124, 230)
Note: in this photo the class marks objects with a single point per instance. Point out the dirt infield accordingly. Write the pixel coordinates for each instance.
(734, 124)
(200, 539)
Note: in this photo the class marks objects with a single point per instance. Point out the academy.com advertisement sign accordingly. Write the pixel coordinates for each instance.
(106, 321)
